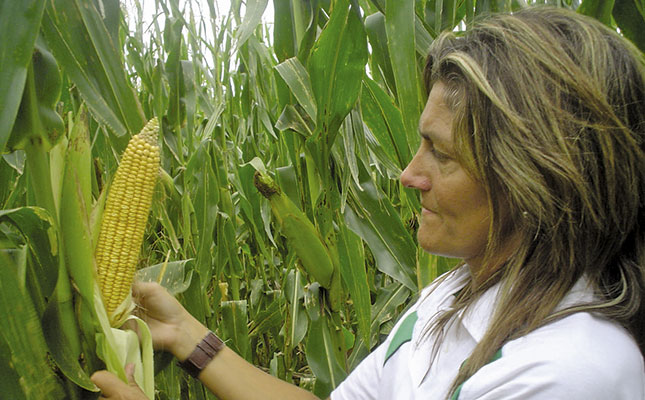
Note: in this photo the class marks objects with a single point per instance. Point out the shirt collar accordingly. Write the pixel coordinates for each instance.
(477, 318)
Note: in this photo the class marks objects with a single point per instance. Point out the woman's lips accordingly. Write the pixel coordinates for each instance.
(425, 211)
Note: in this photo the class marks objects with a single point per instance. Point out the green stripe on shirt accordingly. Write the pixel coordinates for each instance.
(402, 335)
(496, 356)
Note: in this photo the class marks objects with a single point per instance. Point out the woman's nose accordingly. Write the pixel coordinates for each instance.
(406, 177)
(413, 176)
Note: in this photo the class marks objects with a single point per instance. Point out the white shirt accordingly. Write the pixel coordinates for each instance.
(579, 357)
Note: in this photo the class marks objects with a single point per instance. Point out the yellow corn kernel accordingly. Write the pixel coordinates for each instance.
(124, 219)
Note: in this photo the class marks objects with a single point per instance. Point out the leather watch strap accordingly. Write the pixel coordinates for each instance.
(202, 355)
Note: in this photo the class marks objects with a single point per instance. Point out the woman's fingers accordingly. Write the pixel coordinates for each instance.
(114, 388)
(141, 290)
(129, 374)
(109, 383)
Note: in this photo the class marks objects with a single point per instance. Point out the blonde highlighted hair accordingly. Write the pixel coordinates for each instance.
(549, 115)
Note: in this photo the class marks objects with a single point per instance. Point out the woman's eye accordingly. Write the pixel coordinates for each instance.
(438, 155)
(441, 157)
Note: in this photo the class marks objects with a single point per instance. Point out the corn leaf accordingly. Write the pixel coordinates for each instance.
(384, 310)
(61, 333)
(22, 332)
(336, 67)
(599, 9)
(195, 300)
(380, 61)
(296, 121)
(296, 326)
(40, 235)
(19, 24)
(171, 275)
(235, 327)
(252, 17)
(372, 217)
(400, 27)
(83, 46)
(268, 319)
(321, 356)
(443, 14)
(386, 123)
(201, 175)
(176, 113)
(296, 76)
(284, 39)
(631, 20)
(352, 269)
(9, 379)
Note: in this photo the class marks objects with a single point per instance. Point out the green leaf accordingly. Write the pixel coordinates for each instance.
(189, 98)
(171, 275)
(640, 4)
(37, 228)
(37, 123)
(194, 298)
(444, 14)
(400, 27)
(9, 378)
(62, 336)
(372, 217)
(235, 327)
(200, 175)
(386, 307)
(352, 269)
(29, 352)
(630, 21)
(269, 318)
(19, 25)
(322, 358)
(295, 120)
(284, 36)
(82, 45)
(491, 6)
(297, 78)
(375, 27)
(173, 72)
(598, 9)
(252, 17)
(297, 317)
(336, 67)
(423, 37)
(249, 203)
(386, 123)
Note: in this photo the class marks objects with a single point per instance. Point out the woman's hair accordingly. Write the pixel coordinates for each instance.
(549, 116)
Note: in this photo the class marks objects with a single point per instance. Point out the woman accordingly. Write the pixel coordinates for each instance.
(532, 170)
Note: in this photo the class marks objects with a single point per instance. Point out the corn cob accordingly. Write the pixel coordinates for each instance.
(301, 234)
(124, 220)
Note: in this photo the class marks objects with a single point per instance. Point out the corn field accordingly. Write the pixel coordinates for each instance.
(321, 104)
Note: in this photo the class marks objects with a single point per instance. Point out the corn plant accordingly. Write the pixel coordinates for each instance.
(277, 218)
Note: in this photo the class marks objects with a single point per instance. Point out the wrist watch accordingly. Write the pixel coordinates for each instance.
(202, 355)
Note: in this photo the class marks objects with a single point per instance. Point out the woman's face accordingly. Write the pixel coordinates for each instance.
(454, 215)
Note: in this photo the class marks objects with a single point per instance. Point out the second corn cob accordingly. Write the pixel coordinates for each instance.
(301, 234)
(124, 220)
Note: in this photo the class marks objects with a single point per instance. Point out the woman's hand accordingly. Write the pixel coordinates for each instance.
(227, 375)
(113, 388)
(172, 328)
